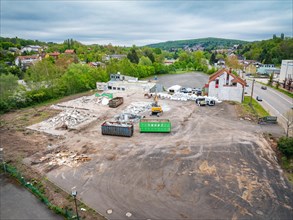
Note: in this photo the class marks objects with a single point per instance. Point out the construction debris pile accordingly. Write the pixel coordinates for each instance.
(70, 118)
(70, 159)
(84, 102)
(133, 112)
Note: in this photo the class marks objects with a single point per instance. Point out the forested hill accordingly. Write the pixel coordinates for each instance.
(208, 43)
(269, 51)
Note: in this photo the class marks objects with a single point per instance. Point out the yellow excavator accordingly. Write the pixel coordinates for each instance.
(156, 108)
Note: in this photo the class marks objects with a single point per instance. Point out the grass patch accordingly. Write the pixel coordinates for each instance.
(256, 110)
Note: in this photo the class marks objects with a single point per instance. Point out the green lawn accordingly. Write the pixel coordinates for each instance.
(257, 110)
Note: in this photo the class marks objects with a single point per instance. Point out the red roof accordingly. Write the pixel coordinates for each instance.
(220, 72)
(28, 57)
(54, 54)
(69, 51)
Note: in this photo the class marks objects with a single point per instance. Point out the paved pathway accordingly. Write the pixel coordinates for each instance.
(18, 203)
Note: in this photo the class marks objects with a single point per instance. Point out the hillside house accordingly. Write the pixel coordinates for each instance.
(226, 86)
(25, 61)
(69, 52)
(114, 56)
(32, 48)
(168, 62)
(54, 55)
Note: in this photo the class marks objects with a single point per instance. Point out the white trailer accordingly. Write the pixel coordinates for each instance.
(174, 89)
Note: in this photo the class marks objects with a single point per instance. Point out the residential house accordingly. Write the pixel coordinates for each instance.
(25, 61)
(114, 56)
(14, 50)
(226, 86)
(69, 52)
(250, 66)
(286, 70)
(96, 64)
(54, 55)
(168, 62)
(32, 48)
(220, 64)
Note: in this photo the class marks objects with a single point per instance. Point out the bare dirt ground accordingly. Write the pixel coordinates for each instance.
(19, 143)
(211, 166)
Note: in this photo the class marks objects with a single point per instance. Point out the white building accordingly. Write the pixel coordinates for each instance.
(286, 70)
(226, 86)
(26, 61)
(32, 48)
(120, 82)
(119, 77)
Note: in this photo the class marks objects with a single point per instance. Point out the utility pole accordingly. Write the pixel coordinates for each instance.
(251, 92)
(74, 194)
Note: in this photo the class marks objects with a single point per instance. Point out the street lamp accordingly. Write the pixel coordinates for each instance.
(74, 194)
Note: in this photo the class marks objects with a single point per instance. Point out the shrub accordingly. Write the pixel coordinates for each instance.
(285, 145)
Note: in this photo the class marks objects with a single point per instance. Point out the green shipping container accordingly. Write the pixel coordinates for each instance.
(155, 126)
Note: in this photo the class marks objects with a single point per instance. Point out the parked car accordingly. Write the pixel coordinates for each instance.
(258, 98)
(183, 90)
(264, 87)
(188, 90)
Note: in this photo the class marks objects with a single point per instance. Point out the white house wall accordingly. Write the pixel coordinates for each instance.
(223, 92)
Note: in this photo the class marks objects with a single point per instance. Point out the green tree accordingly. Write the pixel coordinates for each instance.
(8, 84)
(232, 62)
(270, 81)
(145, 61)
(132, 56)
(285, 145)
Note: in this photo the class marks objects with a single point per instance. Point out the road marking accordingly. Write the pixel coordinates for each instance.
(276, 110)
(272, 90)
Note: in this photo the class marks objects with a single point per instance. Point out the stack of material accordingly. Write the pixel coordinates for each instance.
(70, 118)
(133, 112)
(186, 97)
(70, 159)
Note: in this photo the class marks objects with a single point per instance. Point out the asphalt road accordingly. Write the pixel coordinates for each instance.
(275, 102)
(18, 203)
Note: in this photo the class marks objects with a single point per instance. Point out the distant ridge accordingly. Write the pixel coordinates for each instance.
(209, 43)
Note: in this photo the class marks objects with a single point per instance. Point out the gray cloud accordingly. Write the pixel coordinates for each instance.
(144, 22)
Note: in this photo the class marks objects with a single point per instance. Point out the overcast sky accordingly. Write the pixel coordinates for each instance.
(144, 22)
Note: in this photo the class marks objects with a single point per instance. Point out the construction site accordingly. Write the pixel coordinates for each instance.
(148, 154)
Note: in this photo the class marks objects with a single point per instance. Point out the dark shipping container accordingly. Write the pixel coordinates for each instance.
(117, 129)
(115, 102)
